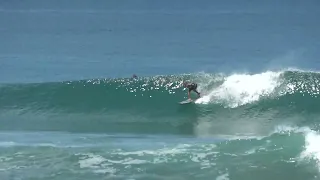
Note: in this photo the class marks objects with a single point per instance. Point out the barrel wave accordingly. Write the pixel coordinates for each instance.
(229, 104)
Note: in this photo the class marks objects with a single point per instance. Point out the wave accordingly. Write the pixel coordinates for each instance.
(286, 147)
(237, 103)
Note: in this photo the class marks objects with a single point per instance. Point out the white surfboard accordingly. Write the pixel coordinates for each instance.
(186, 101)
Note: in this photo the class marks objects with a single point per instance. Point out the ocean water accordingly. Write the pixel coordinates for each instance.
(70, 109)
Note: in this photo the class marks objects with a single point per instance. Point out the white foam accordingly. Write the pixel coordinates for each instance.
(312, 147)
(97, 163)
(240, 89)
(4, 159)
(128, 161)
(100, 164)
(166, 155)
(223, 177)
(180, 149)
(92, 161)
(288, 129)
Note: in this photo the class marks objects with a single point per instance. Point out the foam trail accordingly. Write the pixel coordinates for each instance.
(240, 89)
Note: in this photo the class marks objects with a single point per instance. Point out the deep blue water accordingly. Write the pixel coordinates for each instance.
(56, 40)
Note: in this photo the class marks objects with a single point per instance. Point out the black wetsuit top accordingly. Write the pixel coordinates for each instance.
(192, 86)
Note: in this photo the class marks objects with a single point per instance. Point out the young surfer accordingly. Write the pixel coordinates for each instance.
(191, 87)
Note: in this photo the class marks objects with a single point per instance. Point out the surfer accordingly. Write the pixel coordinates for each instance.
(191, 87)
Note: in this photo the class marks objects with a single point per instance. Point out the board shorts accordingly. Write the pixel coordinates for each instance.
(192, 86)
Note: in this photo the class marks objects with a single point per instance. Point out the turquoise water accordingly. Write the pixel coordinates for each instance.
(69, 108)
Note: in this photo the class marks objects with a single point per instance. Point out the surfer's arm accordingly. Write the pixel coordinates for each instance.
(197, 93)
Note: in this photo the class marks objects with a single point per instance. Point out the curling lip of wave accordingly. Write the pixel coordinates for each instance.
(240, 89)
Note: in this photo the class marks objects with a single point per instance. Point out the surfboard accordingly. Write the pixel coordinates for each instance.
(186, 101)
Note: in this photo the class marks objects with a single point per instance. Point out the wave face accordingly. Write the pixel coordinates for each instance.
(230, 104)
(258, 126)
